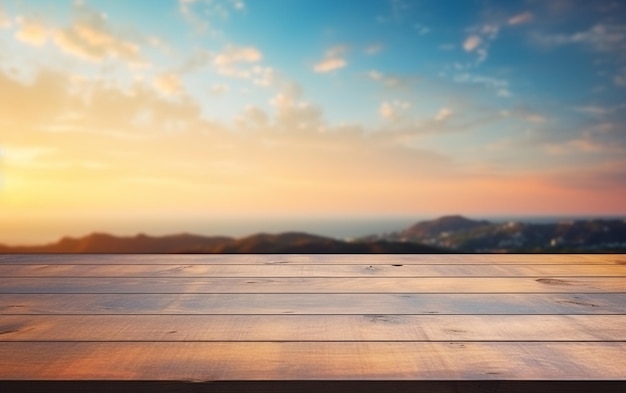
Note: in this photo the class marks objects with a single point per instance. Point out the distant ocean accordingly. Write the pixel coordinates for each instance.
(41, 232)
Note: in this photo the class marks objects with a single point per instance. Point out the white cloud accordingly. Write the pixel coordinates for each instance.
(292, 113)
(593, 110)
(219, 89)
(90, 37)
(31, 32)
(600, 38)
(443, 114)
(253, 116)
(501, 86)
(330, 64)
(263, 76)
(336, 51)
(233, 55)
(198, 13)
(228, 63)
(5, 21)
(472, 42)
(185, 8)
(522, 18)
(25, 155)
(333, 60)
(490, 31)
(375, 75)
(386, 110)
(480, 39)
(394, 109)
(238, 5)
(389, 80)
(168, 84)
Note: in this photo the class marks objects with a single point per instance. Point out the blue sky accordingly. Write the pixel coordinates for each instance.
(283, 107)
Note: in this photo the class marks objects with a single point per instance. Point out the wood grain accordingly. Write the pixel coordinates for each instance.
(597, 303)
(336, 270)
(337, 360)
(460, 318)
(373, 327)
(316, 285)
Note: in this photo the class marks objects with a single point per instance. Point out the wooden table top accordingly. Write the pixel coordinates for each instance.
(402, 318)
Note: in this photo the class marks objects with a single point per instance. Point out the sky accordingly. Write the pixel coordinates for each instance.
(175, 110)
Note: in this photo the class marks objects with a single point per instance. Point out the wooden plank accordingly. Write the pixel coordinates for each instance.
(313, 304)
(312, 328)
(321, 270)
(315, 285)
(316, 386)
(289, 259)
(199, 361)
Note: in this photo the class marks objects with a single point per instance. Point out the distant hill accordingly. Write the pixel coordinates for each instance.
(443, 224)
(461, 234)
(291, 242)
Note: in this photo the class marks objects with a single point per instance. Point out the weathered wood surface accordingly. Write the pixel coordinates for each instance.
(313, 317)
(321, 304)
(366, 327)
(459, 285)
(337, 270)
(201, 361)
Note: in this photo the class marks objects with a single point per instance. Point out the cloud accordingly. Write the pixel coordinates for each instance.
(443, 114)
(31, 32)
(480, 39)
(520, 19)
(293, 114)
(333, 60)
(609, 40)
(393, 110)
(399, 8)
(219, 89)
(330, 64)
(5, 21)
(198, 13)
(620, 78)
(168, 84)
(447, 47)
(185, 8)
(234, 55)
(390, 81)
(238, 5)
(234, 62)
(263, 76)
(198, 59)
(593, 110)
(31, 104)
(600, 38)
(472, 42)
(501, 86)
(253, 117)
(90, 37)
(26, 155)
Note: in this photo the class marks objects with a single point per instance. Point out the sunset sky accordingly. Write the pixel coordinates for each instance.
(196, 109)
